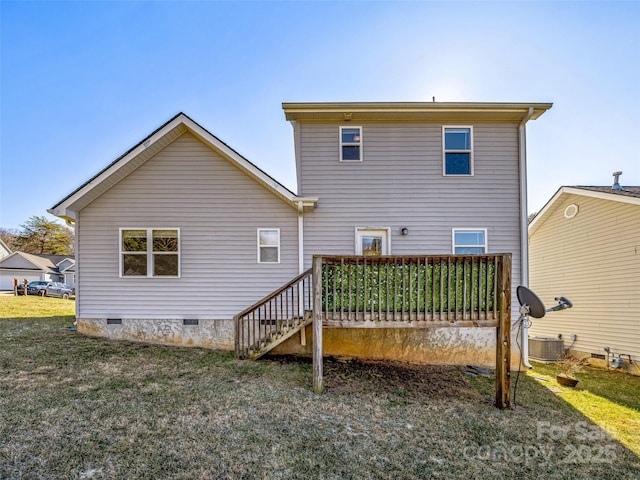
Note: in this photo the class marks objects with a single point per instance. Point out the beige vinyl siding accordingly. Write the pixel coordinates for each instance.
(400, 183)
(218, 210)
(594, 260)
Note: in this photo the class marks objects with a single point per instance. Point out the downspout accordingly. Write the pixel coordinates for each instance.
(296, 143)
(76, 276)
(300, 237)
(524, 224)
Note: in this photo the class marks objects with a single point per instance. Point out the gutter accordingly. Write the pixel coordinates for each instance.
(524, 228)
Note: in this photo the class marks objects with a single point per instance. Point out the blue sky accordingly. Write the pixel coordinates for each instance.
(82, 82)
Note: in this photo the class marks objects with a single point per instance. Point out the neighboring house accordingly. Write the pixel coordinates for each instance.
(181, 232)
(26, 266)
(585, 245)
(5, 251)
(67, 269)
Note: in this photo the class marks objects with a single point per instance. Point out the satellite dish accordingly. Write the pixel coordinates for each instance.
(532, 301)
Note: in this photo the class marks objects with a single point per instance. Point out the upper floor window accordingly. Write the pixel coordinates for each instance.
(149, 252)
(350, 144)
(268, 245)
(469, 240)
(458, 150)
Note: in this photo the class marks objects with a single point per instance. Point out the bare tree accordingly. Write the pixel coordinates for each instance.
(9, 237)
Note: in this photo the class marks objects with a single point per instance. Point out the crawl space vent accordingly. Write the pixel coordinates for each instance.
(545, 349)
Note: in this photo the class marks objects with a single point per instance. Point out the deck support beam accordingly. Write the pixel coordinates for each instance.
(456, 291)
(503, 336)
(318, 385)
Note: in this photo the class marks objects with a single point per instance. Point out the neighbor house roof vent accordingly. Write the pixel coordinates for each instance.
(616, 182)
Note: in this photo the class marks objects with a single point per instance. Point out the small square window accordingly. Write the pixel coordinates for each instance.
(469, 241)
(350, 144)
(268, 245)
(372, 242)
(458, 150)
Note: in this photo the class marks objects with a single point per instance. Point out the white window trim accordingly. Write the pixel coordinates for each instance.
(259, 245)
(445, 151)
(150, 252)
(351, 144)
(453, 239)
(359, 231)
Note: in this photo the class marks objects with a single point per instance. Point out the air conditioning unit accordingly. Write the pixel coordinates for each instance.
(545, 349)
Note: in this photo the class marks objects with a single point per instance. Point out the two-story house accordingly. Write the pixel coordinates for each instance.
(181, 232)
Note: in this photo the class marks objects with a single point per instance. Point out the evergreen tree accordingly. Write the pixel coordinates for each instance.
(40, 235)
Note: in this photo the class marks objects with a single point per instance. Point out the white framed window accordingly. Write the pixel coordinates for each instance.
(457, 155)
(372, 241)
(149, 252)
(350, 144)
(469, 240)
(268, 245)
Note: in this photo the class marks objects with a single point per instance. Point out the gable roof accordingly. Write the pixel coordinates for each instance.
(629, 195)
(71, 268)
(152, 144)
(28, 261)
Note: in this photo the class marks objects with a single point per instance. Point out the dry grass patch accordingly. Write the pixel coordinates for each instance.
(79, 407)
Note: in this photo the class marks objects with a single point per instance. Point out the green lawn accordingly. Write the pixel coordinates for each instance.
(78, 407)
(609, 398)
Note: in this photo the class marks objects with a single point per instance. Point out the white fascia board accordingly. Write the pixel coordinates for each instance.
(71, 259)
(308, 201)
(296, 110)
(533, 226)
(64, 213)
(62, 209)
(551, 204)
(614, 197)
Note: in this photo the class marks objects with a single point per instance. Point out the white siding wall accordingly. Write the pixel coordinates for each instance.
(400, 184)
(217, 208)
(592, 259)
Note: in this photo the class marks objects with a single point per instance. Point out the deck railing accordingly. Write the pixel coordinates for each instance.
(276, 313)
(387, 292)
(417, 290)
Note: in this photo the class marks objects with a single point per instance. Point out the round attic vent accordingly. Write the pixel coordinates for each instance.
(571, 211)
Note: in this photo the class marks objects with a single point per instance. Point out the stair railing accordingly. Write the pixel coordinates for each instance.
(277, 313)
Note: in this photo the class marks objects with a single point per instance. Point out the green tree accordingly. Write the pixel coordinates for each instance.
(40, 235)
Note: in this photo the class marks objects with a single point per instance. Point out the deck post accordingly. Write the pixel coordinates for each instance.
(236, 335)
(317, 323)
(503, 334)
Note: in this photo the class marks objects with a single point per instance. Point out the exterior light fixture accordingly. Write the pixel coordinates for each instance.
(404, 231)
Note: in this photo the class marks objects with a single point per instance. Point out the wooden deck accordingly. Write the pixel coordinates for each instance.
(386, 292)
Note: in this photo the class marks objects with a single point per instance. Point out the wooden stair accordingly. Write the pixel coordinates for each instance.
(277, 337)
(275, 318)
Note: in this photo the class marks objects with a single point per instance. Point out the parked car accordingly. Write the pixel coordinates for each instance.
(33, 288)
(56, 289)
